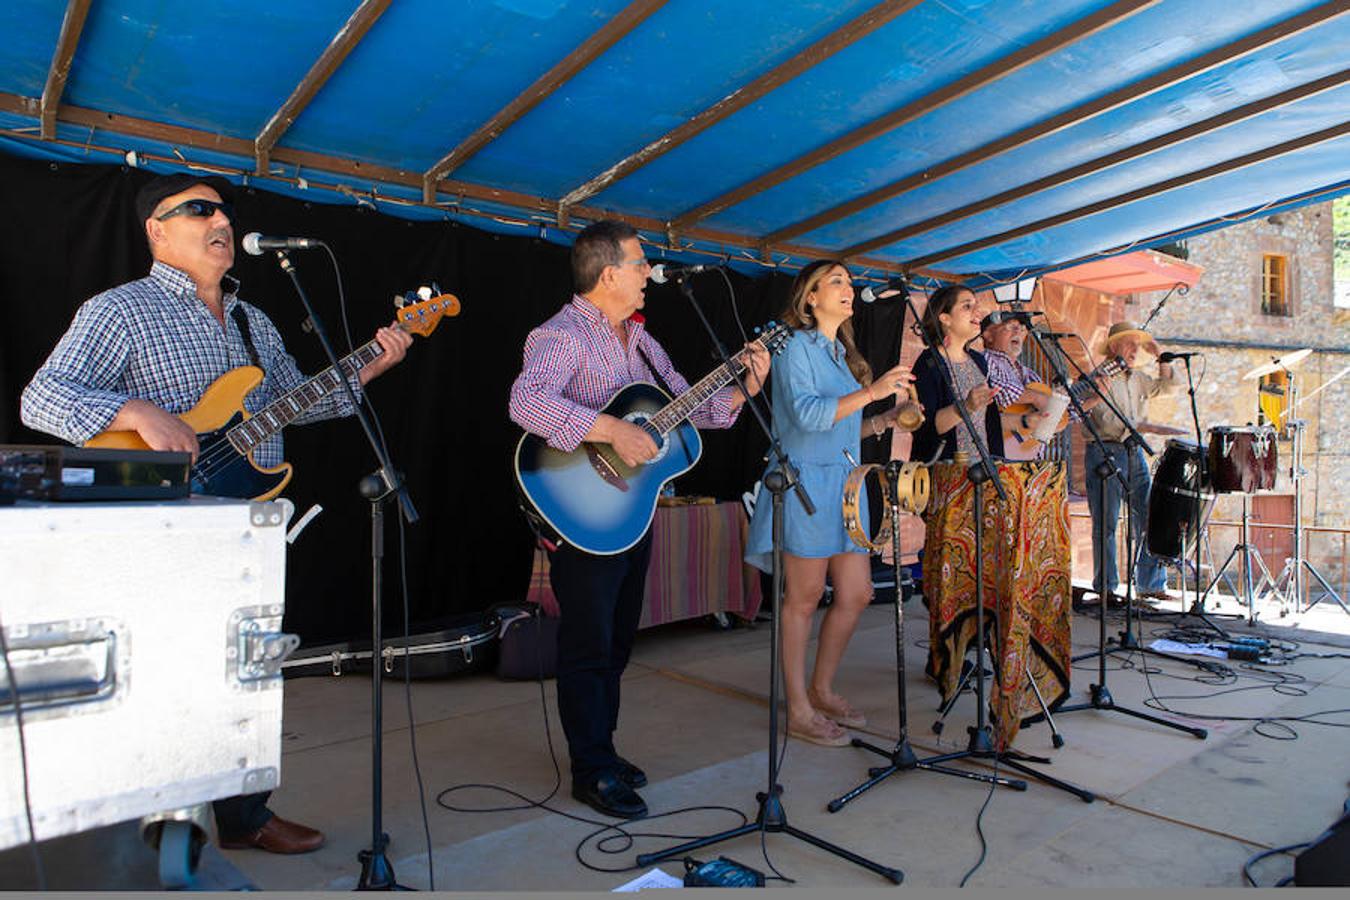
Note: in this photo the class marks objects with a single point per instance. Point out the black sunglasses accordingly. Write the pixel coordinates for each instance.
(199, 209)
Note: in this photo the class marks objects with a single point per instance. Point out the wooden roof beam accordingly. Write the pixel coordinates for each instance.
(62, 58)
(961, 87)
(180, 136)
(1081, 113)
(348, 36)
(613, 31)
(821, 50)
(1222, 168)
(1213, 123)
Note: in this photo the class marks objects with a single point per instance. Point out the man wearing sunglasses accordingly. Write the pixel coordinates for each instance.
(139, 354)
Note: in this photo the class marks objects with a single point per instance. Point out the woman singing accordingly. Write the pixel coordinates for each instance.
(820, 387)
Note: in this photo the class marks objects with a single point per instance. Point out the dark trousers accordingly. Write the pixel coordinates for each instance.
(600, 598)
(238, 817)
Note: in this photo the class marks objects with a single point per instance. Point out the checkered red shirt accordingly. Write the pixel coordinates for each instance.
(575, 364)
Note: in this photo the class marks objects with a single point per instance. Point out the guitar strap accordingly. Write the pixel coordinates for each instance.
(647, 361)
(241, 319)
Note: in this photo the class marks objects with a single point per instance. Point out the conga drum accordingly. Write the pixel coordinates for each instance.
(1172, 520)
(1242, 460)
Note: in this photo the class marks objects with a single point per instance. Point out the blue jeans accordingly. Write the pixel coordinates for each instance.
(1149, 574)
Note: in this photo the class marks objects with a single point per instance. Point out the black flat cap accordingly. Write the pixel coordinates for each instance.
(150, 196)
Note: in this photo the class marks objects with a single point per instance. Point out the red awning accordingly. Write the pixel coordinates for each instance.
(1131, 273)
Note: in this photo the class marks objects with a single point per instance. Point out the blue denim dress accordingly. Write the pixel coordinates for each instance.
(808, 380)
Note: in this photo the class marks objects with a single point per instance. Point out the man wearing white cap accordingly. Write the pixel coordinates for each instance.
(1130, 393)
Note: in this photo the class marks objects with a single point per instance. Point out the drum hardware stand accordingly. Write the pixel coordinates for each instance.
(376, 872)
(1290, 586)
(1249, 552)
(981, 745)
(772, 818)
(901, 757)
(1100, 694)
(1197, 609)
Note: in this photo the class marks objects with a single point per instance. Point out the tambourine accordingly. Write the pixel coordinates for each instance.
(912, 490)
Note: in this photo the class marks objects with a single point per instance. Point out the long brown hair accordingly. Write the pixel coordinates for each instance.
(942, 301)
(798, 315)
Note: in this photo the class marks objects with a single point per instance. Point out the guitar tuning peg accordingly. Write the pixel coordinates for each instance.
(436, 289)
(399, 301)
(424, 293)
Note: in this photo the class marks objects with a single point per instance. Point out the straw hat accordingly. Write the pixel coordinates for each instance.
(1124, 330)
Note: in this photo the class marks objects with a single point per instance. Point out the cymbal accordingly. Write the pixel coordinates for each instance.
(1288, 361)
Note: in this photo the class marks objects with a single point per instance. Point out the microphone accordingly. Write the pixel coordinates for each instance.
(1168, 357)
(871, 293)
(1055, 335)
(256, 244)
(663, 272)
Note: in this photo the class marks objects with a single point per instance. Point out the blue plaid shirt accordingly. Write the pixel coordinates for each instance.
(154, 339)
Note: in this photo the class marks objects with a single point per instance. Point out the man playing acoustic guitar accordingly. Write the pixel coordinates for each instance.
(574, 363)
(141, 353)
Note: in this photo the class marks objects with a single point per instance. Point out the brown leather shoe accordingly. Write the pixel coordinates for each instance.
(278, 836)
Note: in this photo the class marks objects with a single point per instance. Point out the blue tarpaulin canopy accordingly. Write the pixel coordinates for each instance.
(963, 138)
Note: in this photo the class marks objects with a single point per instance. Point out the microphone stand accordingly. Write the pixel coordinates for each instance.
(376, 872)
(1202, 481)
(901, 757)
(981, 745)
(772, 817)
(1099, 694)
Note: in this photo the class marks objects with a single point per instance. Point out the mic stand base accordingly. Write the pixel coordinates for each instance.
(772, 818)
(1099, 694)
(902, 757)
(376, 872)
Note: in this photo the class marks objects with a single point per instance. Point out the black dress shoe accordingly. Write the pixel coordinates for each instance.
(609, 796)
(630, 774)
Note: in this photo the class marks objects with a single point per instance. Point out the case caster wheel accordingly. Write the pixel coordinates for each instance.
(179, 853)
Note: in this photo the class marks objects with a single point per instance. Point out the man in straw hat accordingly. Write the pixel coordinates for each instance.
(1130, 394)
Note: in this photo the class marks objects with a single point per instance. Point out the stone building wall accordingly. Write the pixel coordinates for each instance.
(1221, 317)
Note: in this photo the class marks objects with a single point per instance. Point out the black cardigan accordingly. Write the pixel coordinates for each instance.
(934, 395)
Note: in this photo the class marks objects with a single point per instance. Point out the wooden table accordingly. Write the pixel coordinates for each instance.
(697, 566)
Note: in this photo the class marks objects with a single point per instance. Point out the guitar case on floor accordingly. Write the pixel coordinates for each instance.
(439, 648)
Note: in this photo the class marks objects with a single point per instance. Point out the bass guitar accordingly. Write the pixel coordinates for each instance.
(591, 498)
(1018, 442)
(227, 435)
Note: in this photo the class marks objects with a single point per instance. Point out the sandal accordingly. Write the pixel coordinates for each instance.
(822, 731)
(840, 712)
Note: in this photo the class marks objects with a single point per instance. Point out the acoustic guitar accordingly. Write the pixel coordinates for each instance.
(227, 435)
(1018, 443)
(591, 498)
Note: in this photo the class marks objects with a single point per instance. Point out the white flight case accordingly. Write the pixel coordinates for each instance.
(146, 643)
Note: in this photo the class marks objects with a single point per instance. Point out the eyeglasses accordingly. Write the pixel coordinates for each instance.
(641, 262)
(199, 209)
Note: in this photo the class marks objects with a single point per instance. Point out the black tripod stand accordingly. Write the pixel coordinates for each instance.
(901, 757)
(1198, 513)
(1099, 694)
(772, 818)
(376, 872)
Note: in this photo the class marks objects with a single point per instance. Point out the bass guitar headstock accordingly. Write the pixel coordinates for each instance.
(419, 312)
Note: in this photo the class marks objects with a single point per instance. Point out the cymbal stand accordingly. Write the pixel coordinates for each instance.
(1290, 585)
(901, 757)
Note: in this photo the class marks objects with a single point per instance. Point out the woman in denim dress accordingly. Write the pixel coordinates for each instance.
(820, 385)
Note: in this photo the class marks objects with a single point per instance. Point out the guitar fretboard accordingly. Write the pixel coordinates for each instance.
(281, 412)
(683, 406)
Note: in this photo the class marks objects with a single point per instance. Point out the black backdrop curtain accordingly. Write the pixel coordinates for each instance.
(68, 231)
